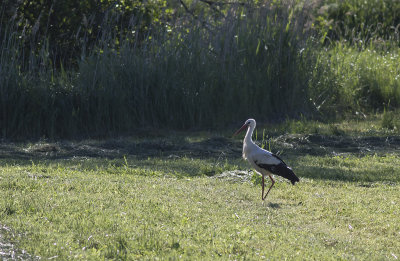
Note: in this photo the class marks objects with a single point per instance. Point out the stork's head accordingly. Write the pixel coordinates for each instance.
(250, 123)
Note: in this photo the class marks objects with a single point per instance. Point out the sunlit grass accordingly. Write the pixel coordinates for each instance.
(370, 168)
(130, 208)
(355, 78)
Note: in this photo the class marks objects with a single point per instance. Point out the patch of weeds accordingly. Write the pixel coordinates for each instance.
(215, 169)
(388, 120)
(335, 130)
(302, 126)
(9, 210)
(122, 245)
(93, 243)
(118, 250)
(175, 245)
(209, 170)
(314, 129)
(297, 127)
(256, 179)
(267, 143)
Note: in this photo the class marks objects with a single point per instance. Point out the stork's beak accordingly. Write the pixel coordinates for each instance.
(241, 129)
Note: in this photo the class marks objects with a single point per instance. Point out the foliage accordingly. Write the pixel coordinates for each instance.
(69, 29)
(388, 120)
(359, 21)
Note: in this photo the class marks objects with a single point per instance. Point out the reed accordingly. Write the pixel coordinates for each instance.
(349, 79)
(187, 78)
(195, 71)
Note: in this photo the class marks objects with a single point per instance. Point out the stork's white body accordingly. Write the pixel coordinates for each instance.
(252, 153)
(264, 162)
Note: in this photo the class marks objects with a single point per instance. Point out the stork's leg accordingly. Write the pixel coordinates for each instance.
(273, 182)
(262, 185)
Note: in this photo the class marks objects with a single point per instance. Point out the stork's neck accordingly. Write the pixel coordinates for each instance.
(249, 134)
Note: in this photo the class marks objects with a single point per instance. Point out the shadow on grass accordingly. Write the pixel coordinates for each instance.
(274, 205)
(176, 155)
(118, 148)
(350, 175)
(211, 149)
(207, 147)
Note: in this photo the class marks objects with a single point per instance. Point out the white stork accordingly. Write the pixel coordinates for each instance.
(263, 161)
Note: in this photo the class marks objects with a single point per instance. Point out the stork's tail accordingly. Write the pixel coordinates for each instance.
(294, 179)
(289, 174)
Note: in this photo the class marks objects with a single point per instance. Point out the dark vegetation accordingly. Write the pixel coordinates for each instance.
(72, 69)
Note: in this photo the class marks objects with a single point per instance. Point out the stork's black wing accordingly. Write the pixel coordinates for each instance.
(280, 169)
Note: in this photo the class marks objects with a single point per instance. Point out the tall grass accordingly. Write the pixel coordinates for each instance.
(373, 21)
(250, 63)
(247, 66)
(193, 71)
(35, 99)
(347, 78)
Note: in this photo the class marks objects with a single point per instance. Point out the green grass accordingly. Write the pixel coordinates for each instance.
(345, 207)
(353, 125)
(358, 21)
(355, 78)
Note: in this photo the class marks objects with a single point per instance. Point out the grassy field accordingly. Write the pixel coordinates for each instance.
(183, 196)
(72, 71)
